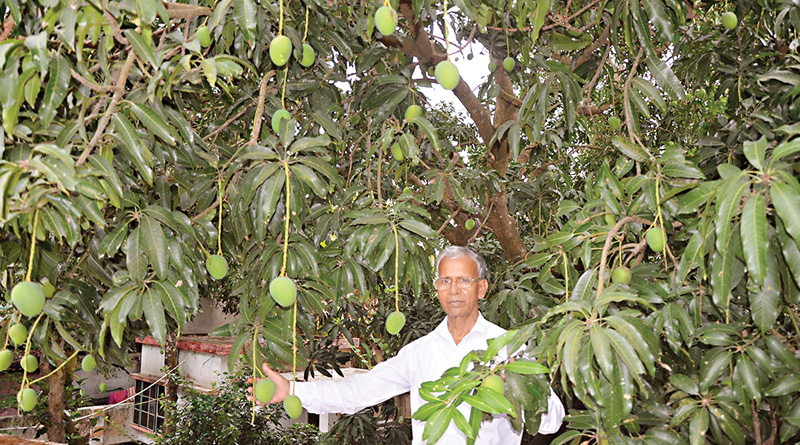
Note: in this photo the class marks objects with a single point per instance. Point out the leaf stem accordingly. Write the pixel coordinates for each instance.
(33, 244)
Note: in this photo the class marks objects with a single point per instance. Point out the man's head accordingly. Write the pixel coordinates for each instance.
(462, 281)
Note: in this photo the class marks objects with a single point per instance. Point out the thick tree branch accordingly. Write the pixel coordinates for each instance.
(262, 96)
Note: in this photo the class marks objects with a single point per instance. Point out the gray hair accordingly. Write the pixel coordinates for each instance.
(461, 252)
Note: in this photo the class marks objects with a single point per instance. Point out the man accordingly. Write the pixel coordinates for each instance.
(462, 283)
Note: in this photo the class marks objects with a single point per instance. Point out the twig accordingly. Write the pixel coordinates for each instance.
(481, 223)
(262, 95)
(610, 240)
(8, 26)
(115, 28)
(119, 90)
(590, 86)
(226, 124)
(86, 82)
(626, 98)
(444, 225)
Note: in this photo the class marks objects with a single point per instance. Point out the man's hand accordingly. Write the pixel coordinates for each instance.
(282, 386)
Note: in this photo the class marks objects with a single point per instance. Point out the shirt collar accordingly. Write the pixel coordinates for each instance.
(481, 325)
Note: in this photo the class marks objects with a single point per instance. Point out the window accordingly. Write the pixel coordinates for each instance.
(147, 410)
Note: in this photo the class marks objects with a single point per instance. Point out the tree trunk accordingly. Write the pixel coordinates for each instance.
(57, 427)
(170, 363)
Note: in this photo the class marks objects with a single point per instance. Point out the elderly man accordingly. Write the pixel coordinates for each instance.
(461, 284)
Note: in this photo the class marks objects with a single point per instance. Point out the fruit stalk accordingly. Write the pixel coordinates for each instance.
(33, 245)
(219, 223)
(28, 350)
(74, 354)
(286, 217)
(396, 270)
(255, 368)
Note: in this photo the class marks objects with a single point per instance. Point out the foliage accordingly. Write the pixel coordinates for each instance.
(130, 153)
(225, 417)
(378, 424)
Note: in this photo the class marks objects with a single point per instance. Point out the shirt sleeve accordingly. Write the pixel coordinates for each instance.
(551, 421)
(387, 379)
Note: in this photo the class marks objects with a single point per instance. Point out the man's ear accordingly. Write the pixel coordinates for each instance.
(483, 287)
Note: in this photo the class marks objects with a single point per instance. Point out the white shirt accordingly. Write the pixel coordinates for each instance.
(423, 360)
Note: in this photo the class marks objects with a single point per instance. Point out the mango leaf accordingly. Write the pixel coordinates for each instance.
(527, 367)
(728, 424)
(788, 384)
(785, 149)
(684, 383)
(135, 257)
(691, 257)
(244, 12)
(430, 132)
(153, 122)
(659, 17)
(141, 47)
(755, 151)
(427, 410)
(437, 424)
(496, 344)
(418, 228)
(154, 313)
(173, 303)
(496, 400)
(602, 349)
(155, 244)
(754, 237)
(791, 253)
(752, 385)
(713, 368)
(630, 149)
(764, 303)
(787, 203)
(146, 9)
(698, 427)
(132, 146)
(666, 78)
(56, 89)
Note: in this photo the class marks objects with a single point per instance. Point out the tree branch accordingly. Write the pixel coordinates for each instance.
(86, 82)
(119, 91)
(226, 124)
(262, 96)
(8, 26)
(609, 240)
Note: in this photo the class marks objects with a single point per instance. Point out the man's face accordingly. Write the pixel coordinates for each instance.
(456, 301)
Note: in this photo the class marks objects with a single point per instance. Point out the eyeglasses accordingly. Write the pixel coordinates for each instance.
(462, 282)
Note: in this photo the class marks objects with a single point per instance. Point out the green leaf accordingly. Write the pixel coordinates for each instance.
(496, 400)
(132, 146)
(154, 313)
(56, 172)
(153, 122)
(480, 403)
(785, 149)
(752, 385)
(698, 427)
(791, 253)
(666, 78)
(461, 422)
(726, 208)
(220, 11)
(728, 424)
(437, 424)
(244, 12)
(37, 44)
(788, 384)
(539, 15)
(692, 200)
(155, 244)
(427, 410)
(56, 89)
(755, 151)
(419, 228)
(135, 257)
(308, 176)
(429, 131)
(498, 343)
(146, 9)
(602, 349)
(764, 303)
(173, 303)
(691, 257)
(713, 368)
(722, 267)
(754, 237)
(626, 352)
(527, 367)
(684, 383)
(141, 47)
(787, 203)
(781, 352)
(681, 169)
(630, 149)
(648, 89)
(660, 18)
(11, 110)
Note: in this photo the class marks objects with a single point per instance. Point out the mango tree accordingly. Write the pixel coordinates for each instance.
(156, 152)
